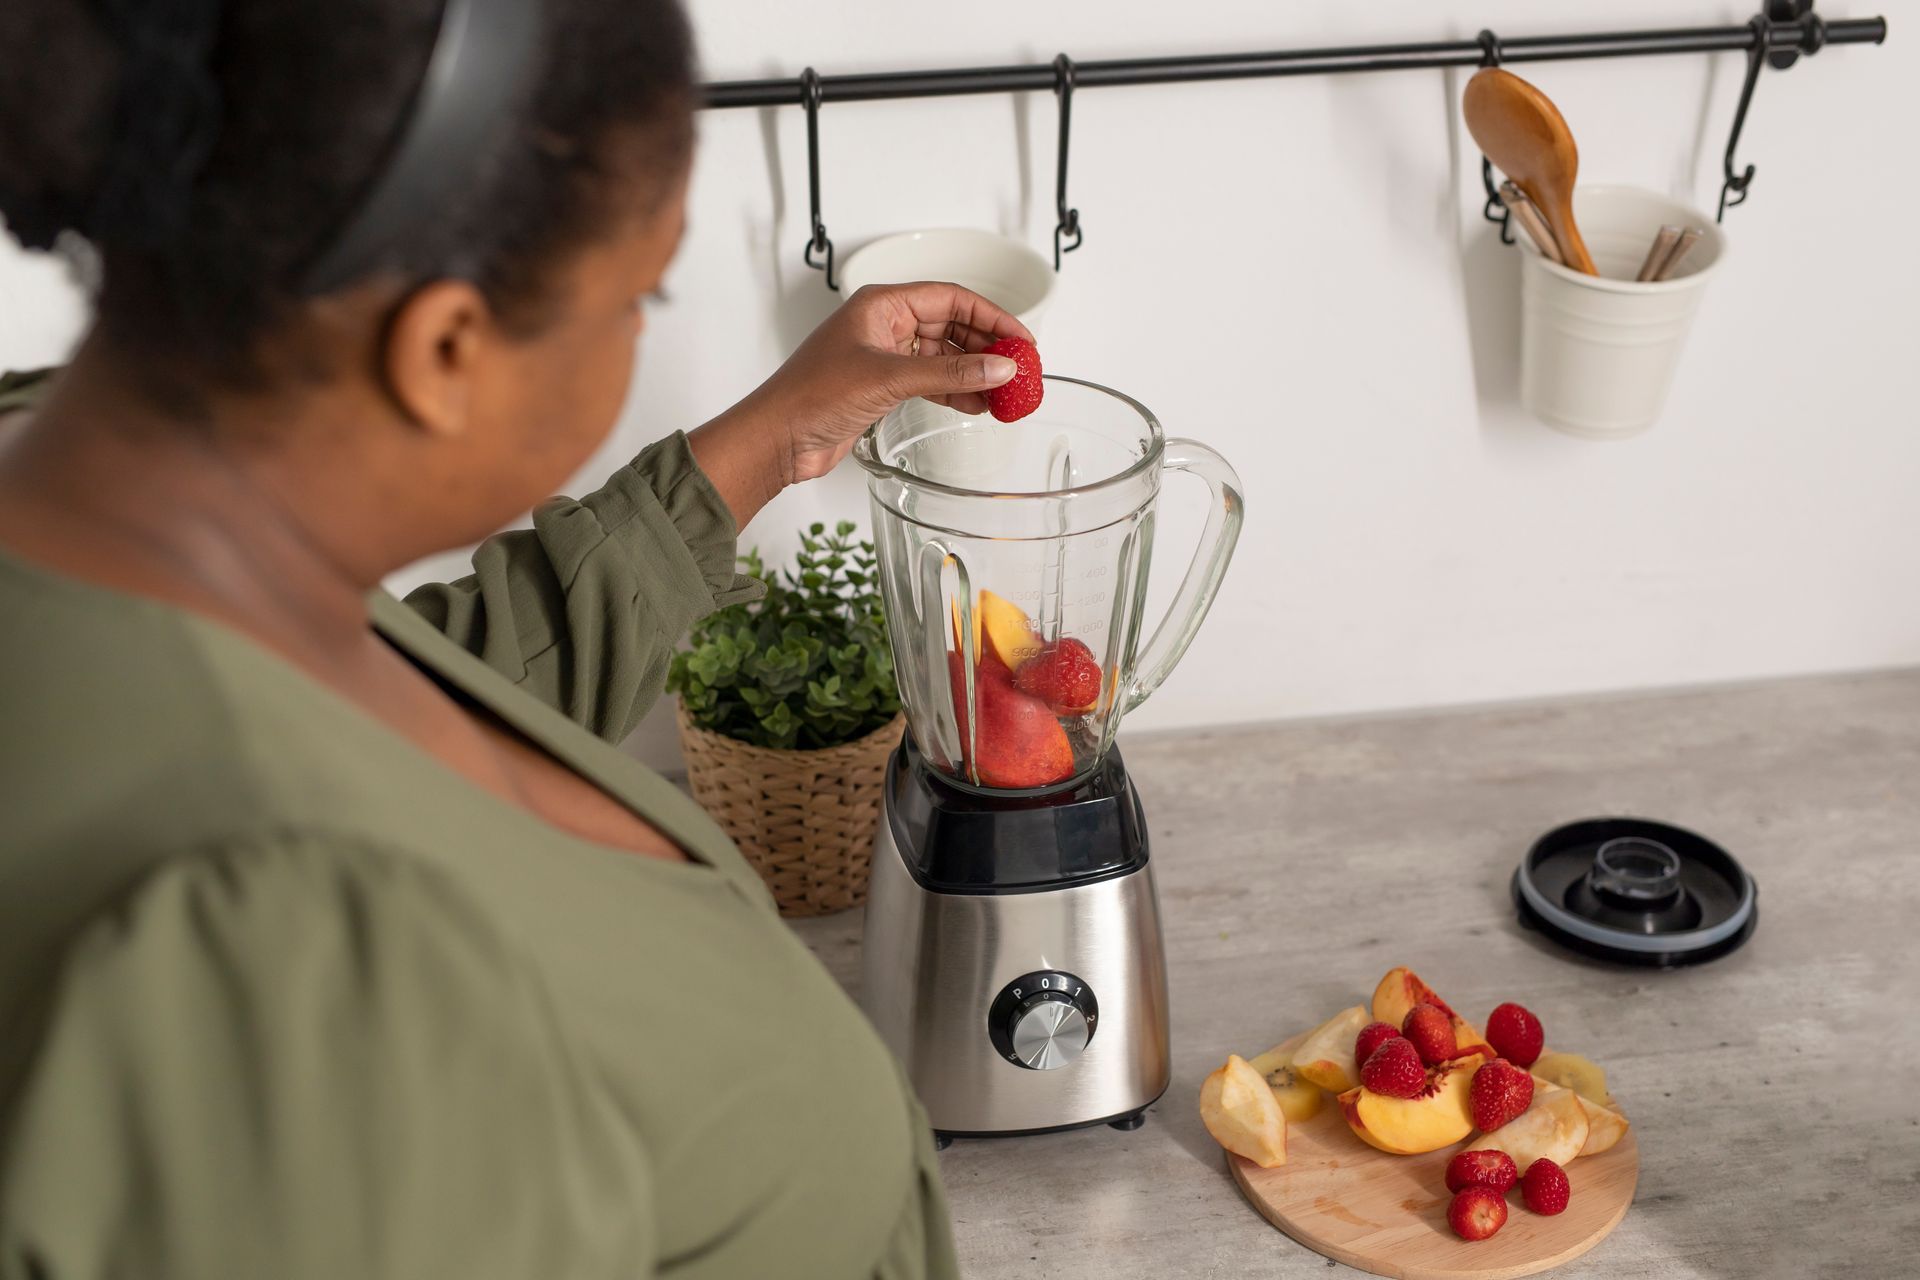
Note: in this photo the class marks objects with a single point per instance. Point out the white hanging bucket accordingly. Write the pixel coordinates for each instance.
(1597, 353)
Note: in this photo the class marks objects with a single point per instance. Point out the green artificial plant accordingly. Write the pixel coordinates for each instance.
(808, 666)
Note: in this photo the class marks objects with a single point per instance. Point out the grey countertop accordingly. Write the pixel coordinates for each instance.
(1776, 1092)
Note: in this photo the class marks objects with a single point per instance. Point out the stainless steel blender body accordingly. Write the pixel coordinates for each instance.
(1013, 956)
(935, 964)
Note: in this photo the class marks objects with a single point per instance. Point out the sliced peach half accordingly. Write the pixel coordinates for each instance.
(1326, 1056)
(1437, 1118)
(1402, 989)
(1242, 1114)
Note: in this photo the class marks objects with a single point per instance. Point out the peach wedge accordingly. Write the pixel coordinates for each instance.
(1242, 1114)
(1402, 989)
(1410, 1126)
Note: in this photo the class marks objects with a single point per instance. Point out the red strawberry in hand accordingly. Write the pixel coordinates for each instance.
(1063, 675)
(1020, 396)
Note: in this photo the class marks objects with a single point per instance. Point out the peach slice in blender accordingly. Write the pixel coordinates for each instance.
(1001, 629)
(1019, 744)
(1010, 634)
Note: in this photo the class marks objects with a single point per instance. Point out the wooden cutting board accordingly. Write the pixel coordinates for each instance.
(1388, 1214)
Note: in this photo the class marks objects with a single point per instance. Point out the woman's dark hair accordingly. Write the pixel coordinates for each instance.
(305, 99)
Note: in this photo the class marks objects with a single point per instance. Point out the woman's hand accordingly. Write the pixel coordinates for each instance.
(885, 345)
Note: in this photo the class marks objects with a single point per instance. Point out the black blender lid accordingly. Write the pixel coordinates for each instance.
(1636, 892)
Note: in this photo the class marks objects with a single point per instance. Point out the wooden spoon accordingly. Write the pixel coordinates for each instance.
(1518, 128)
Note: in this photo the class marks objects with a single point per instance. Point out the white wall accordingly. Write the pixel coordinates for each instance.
(1296, 271)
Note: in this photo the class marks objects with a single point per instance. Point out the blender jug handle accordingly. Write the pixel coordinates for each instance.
(1190, 604)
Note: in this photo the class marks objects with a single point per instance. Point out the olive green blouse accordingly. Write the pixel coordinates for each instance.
(282, 996)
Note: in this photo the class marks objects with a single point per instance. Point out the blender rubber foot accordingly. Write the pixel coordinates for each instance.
(1127, 1124)
(941, 1142)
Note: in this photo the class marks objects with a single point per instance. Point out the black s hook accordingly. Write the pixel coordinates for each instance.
(1068, 220)
(1490, 57)
(1733, 190)
(1813, 36)
(817, 242)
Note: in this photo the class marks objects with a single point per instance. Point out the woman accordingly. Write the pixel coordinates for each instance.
(336, 938)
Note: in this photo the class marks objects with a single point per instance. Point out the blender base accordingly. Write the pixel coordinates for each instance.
(1126, 1124)
(1022, 1009)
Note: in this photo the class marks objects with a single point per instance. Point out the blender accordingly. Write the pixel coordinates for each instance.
(1013, 956)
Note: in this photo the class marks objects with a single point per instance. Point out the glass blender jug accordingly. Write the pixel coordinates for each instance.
(1014, 561)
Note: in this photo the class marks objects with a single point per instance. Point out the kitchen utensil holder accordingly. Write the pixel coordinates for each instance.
(1598, 354)
(1779, 34)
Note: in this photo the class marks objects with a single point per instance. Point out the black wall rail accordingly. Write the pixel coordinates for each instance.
(1778, 35)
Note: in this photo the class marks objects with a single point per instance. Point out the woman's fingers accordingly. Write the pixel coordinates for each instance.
(952, 335)
(949, 376)
(938, 309)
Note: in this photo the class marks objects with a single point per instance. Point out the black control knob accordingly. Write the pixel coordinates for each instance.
(1043, 1020)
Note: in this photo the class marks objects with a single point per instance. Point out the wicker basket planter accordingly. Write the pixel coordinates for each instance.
(805, 819)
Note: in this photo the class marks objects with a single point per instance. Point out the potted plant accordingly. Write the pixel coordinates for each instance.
(788, 711)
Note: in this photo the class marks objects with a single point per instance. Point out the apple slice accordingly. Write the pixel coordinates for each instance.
(1402, 989)
(1242, 1114)
(1572, 1071)
(1605, 1127)
(1554, 1128)
(1326, 1056)
(1409, 1126)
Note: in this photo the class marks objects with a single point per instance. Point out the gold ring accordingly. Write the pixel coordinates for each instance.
(916, 346)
